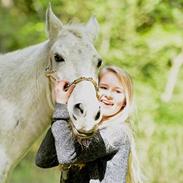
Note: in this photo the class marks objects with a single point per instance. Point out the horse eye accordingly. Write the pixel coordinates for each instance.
(99, 62)
(58, 58)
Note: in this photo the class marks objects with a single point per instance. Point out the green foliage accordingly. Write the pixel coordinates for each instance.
(27, 171)
(142, 36)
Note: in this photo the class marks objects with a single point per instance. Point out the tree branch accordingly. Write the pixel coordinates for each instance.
(172, 78)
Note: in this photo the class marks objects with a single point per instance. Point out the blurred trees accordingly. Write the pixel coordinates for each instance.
(133, 32)
(142, 36)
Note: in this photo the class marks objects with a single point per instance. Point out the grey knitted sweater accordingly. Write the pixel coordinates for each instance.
(105, 157)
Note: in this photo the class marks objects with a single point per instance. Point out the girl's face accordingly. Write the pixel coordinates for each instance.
(112, 95)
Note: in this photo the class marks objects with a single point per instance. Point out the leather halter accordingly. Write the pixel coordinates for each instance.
(50, 73)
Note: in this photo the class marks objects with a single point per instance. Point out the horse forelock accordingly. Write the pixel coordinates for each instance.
(78, 30)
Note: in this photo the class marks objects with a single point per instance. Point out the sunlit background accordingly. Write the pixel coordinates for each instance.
(145, 37)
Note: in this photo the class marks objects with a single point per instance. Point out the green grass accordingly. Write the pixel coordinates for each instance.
(27, 172)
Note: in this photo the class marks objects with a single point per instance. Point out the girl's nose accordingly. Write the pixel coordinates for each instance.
(108, 95)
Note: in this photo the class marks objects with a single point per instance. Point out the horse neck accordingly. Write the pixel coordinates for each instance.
(23, 75)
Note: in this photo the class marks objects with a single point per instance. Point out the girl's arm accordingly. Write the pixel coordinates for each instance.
(101, 144)
(69, 151)
(46, 156)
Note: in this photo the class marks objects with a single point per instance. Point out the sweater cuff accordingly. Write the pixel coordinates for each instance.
(60, 111)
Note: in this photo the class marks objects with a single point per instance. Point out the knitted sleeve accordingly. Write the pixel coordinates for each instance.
(46, 156)
(70, 151)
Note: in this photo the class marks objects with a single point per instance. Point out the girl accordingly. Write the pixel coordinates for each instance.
(109, 156)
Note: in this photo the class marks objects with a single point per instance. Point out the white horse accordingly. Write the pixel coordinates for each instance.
(25, 93)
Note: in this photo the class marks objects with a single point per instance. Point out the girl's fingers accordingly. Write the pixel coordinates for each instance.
(61, 84)
(63, 91)
(71, 88)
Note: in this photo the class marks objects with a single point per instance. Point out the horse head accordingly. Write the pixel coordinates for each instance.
(73, 57)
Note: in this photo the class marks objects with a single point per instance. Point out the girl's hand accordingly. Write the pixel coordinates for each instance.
(61, 95)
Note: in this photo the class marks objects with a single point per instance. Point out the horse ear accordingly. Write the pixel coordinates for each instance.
(53, 24)
(92, 27)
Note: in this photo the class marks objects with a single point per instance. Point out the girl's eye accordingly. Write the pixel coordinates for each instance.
(118, 91)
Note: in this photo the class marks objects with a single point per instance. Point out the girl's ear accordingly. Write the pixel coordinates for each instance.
(53, 24)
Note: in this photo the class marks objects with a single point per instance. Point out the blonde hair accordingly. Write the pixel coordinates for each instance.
(134, 173)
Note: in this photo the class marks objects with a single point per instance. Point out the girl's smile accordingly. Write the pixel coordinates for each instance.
(106, 102)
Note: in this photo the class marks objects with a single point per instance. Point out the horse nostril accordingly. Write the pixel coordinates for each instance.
(74, 117)
(97, 116)
(79, 109)
(79, 106)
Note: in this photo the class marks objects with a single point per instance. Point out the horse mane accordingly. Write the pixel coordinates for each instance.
(19, 56)
(77, 29)
(22, 66)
